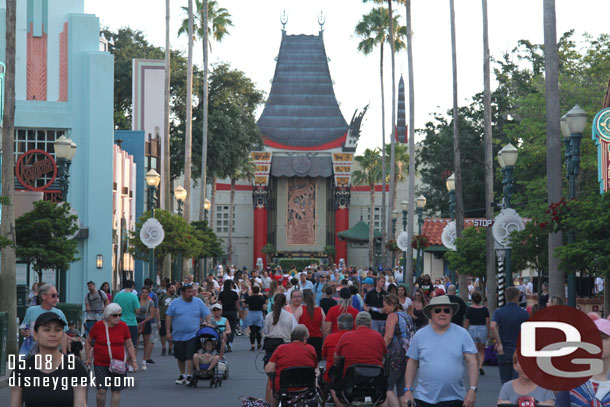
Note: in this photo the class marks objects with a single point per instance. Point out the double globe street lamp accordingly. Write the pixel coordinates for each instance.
(507, 158)
(404, 205)
(65, 149)
(420, 203)
(206, 209)
(450, 184)
(180, 195)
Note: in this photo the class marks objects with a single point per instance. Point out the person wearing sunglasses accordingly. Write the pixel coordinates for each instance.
(48, 300)
(441, 374)
(109, 338)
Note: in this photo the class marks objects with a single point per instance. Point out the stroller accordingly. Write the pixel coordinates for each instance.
(221, 370)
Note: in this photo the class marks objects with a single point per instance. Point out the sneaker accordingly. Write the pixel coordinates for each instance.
(170, 352)
(188, 380)
(229, 348)
(144, 365)
(181, 380)
(130, 369)
(481, 371)
(163, 352)
(150, 362)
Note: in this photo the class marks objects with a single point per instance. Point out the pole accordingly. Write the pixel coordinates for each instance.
(151, 252)
(205, 259)
(573, 173)
(452, 215)
(404, 254)
(508, 191)
(420, 221)
(394, 237)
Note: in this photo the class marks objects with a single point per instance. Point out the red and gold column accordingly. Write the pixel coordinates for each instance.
(342, 196)
(260, 223)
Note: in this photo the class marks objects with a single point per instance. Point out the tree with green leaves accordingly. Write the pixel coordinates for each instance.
(369, 173)
(374, 32)
(211, 245)
(530, 249)
(44, 237)
(469, 257)
(206, 12)
(180, 237)
(401, 164)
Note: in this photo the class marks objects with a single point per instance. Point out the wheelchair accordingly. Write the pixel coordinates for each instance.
(297, 387)
(361, 385)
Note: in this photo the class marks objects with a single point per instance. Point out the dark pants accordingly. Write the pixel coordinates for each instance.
(505, 365)
(317, 344)
(88, 325)
(450, 403)
(255, 335)
(231, 316)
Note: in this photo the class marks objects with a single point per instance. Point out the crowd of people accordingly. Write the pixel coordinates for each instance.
(301, 318)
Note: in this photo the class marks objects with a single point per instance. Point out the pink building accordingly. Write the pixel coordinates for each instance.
(123, 214)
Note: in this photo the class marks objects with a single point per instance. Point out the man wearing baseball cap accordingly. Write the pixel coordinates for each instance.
(441, 374)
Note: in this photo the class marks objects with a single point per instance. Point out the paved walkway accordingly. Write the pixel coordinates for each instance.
(156, 388)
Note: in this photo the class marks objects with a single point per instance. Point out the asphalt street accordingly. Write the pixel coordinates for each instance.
(155, 387)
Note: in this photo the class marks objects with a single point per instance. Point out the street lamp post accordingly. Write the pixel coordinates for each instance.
(404, 205)
(421, 203)
(576, 120)
(64, 152)
(180, 195)
(395, 216)
(206, 209)
(450, 184)
(507, 157)
(152, 180)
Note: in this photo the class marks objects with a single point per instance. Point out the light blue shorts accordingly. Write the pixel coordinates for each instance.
(478, 333)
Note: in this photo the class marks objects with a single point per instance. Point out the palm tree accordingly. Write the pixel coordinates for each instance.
(373, 29)
(553, 139)
(8, 278)
(188, 133)
(459, 202)
(489, 175)
(207, 11)
(245, 170)
(369, 174)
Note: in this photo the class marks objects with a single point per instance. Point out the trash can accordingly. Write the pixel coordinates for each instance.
(3, 338)
(73, 312)
(22, 301)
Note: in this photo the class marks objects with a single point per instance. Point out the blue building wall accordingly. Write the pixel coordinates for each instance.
(134, 142)
(88, 117)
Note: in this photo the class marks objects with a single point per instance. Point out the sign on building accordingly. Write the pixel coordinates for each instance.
(601, 135)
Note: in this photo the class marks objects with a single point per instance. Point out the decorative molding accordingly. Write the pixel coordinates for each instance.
(342, 198)
(63, 64)
(36, 66)
(260, 195)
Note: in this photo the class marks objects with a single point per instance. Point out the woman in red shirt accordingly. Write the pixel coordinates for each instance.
(120, 339)
(312, 317)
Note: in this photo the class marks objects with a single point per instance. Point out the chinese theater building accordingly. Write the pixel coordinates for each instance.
(64, 87)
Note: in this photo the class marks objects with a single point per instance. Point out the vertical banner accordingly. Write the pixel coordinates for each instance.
(601, 136)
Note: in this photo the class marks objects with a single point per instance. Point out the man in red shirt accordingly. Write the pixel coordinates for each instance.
(362, 346)
(295, 353)
(344, 306)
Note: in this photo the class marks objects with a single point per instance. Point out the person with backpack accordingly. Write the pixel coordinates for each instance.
(95, 302)
(399, 328)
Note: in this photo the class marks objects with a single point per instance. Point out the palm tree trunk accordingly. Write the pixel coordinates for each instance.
(188, 136)
(166, 171)
(231, 214)
(371, 229)
(459, 203)
(204, 138)
(553, 140)
(8, 277)
(409, 270)
(383, 167)
(386, 222)
(489, 175)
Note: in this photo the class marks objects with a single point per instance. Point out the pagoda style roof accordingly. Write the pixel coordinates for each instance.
(359, 233)
(302, 112)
